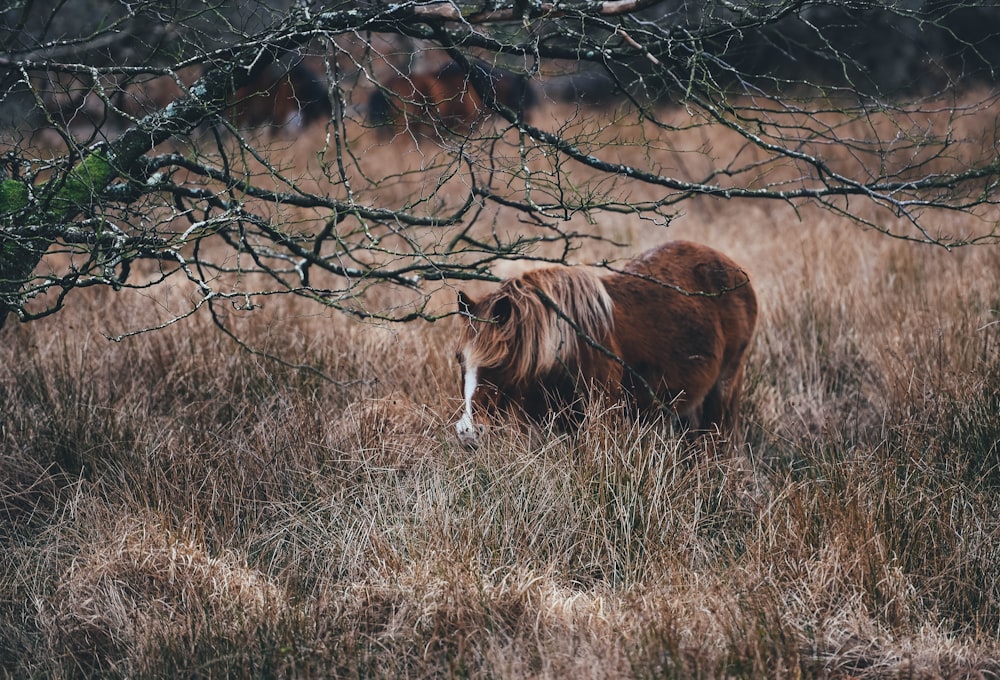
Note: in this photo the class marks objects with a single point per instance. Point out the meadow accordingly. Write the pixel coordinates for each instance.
(171, 505)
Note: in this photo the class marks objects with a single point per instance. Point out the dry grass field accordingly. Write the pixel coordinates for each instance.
(172, 506)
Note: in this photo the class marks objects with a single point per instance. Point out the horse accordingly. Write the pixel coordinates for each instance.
(445, 101)
(145, 95)
(668, 332)
(77, 103)
(280, 96)
(277, 95)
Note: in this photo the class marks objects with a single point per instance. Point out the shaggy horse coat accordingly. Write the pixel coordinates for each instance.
(668, 331)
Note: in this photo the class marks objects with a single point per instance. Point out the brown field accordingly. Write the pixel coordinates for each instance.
(173, 506)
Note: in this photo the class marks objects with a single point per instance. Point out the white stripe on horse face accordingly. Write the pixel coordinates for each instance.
(466, 427)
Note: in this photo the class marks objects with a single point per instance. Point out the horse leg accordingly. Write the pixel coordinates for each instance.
(731, 404)
(712, 409)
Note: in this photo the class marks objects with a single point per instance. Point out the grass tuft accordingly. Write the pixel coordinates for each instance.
(173, 506)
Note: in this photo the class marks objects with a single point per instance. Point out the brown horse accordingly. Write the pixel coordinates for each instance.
(279, 96)
(286, 93)
(448, 100)
(670, 330)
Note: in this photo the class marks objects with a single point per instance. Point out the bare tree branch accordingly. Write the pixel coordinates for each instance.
(313, 150)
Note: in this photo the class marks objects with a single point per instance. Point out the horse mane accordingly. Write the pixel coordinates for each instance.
(534, 322)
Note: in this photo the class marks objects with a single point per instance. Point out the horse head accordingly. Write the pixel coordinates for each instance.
(520, 348)
(488, 349)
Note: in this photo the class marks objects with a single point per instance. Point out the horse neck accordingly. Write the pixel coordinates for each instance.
(579, 313)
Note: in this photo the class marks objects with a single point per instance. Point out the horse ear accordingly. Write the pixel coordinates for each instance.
(501, 310)
(465, 304)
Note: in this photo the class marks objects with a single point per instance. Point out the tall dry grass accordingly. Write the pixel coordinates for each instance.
(172, 505)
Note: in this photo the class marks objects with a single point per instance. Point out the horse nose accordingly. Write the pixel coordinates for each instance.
(467, 431)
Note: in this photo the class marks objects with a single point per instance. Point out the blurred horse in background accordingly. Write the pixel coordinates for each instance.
(141, 97)
(291, 97)
(73, 102)
(280, 96)
(667, 332)
(449, 100)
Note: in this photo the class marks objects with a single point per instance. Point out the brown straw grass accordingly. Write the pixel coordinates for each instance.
(171, 505)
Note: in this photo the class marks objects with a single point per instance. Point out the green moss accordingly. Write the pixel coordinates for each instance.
(69, 195)
(86, 180)
(13, 195)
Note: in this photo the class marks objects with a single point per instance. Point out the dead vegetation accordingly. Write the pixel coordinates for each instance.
(171, 505)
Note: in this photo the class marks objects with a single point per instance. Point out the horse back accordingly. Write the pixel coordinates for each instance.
(684, 316)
